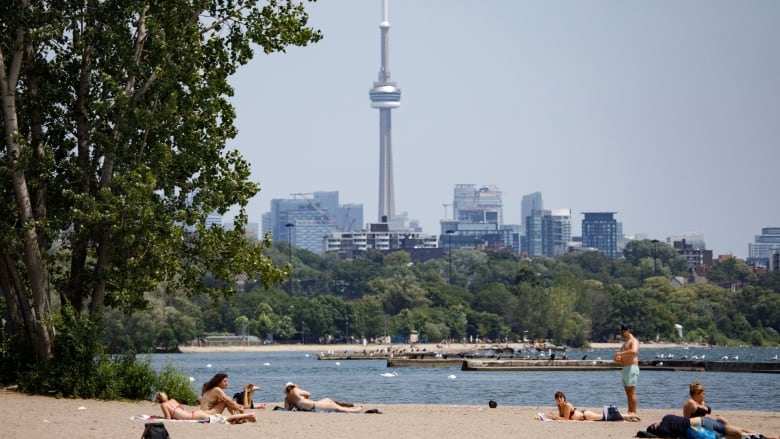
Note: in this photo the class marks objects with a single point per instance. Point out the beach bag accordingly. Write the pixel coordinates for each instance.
(699, 432)
(155, 430)
(611, 413)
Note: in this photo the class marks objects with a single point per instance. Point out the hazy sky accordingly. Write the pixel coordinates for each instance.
(666, 112)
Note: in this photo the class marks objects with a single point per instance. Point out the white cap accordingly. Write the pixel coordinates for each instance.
(289, 383)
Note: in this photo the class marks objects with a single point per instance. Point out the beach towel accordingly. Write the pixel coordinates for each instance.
(152, 418)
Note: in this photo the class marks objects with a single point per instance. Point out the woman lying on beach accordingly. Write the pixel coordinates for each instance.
(296, 398)
(567, 412)
(173, 410)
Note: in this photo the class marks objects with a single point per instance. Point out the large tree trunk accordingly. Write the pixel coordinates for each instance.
(35, 268)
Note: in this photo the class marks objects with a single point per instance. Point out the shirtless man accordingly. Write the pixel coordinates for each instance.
(213, 398)
(628, 357)
(296, 398)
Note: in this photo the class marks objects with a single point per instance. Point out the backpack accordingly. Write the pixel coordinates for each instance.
(611, 413)
(155, 430)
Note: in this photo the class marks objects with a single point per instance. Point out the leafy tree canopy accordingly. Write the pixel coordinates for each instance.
(116, 122)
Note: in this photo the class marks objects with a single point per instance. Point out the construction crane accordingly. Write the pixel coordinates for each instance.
(307, 196)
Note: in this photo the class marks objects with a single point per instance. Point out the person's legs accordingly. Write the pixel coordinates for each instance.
(630, 379)
(632, 400)
(239, 419)
(329, 404)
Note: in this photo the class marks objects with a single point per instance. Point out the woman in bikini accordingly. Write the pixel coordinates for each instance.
(567, 412)
(173, 410)
(296, 398)
(695, 408)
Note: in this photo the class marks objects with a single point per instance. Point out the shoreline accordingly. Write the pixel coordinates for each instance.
(26, 416)
(424, 347)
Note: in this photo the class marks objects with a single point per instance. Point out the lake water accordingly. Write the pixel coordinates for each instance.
(364, 381)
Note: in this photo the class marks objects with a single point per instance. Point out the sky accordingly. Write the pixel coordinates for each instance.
(666, 112)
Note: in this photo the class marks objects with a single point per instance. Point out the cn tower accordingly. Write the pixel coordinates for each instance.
(385, 96)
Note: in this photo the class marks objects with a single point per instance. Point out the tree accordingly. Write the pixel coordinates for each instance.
(116, 121)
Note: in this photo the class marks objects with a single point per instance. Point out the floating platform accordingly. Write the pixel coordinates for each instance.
(355, 355)
(537, 365)
(600, 365)
(424, 362)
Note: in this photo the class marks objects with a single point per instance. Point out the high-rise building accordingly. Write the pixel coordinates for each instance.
(600, 232)
(477, 205)
(477, 220)
(547, 232)
(529, 203)
(385, 95)
(556, 232)
(763, 246)
(311, 218)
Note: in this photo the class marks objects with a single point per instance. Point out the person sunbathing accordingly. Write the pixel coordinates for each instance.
(567, 412)
(213, 398)
(172, 409)
(673, 426)
(296, 398)
(695, 408)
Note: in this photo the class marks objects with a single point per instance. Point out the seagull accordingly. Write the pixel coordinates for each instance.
(774, 357)
(725, 357)
(208, 365)
(452, 377)
(338, 363)
(735, 357)
(390, 374)
(266, 364)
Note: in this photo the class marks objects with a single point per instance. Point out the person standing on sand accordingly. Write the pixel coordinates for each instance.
(628, 357)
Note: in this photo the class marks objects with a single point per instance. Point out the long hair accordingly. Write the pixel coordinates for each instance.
(213, 382)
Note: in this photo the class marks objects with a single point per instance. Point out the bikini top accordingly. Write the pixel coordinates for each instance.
(700, 412)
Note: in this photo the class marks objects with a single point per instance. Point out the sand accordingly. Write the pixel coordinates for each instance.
(28, 416)
(24, 416)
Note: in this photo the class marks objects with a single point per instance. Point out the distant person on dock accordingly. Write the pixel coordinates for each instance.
(298, 399)
(567, 412)
(213, 398)
(628, 357)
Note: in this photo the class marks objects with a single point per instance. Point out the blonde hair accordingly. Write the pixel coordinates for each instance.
(161, 397)
(696, 388)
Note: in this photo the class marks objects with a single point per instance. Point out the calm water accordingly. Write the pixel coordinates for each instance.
(363, 380)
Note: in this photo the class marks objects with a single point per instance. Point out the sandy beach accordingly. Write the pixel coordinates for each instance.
(25, 416)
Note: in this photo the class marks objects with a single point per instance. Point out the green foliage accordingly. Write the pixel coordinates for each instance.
(175, 384)
(81, 369)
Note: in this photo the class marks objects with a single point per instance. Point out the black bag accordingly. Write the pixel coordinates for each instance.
(155, 430)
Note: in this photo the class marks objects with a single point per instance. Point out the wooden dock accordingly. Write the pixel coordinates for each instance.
(600, 365)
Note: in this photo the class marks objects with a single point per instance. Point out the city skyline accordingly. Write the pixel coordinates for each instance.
(665, 113)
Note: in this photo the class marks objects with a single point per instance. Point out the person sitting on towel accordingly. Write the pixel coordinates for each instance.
(173, 410)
